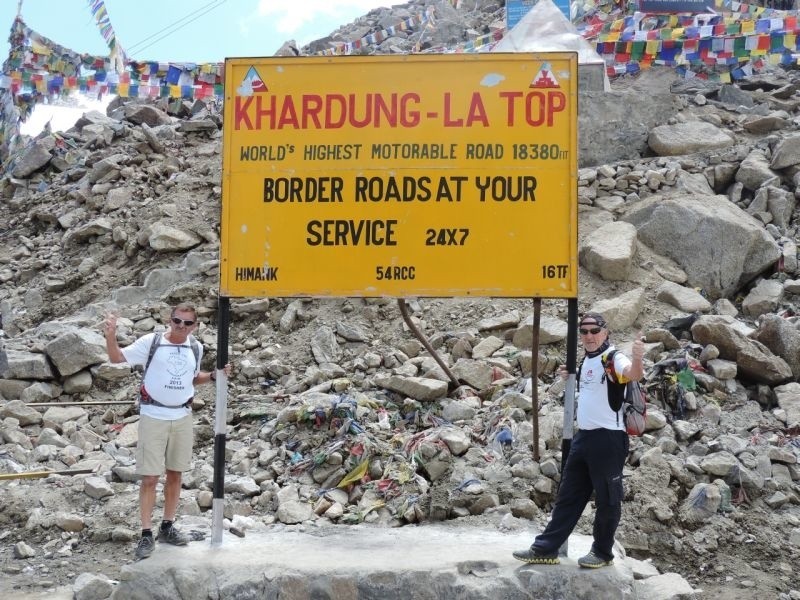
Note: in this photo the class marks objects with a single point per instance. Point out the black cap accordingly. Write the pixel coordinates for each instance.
(596, 317)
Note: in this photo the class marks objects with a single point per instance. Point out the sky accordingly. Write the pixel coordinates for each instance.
(186, 30)
(198, 31)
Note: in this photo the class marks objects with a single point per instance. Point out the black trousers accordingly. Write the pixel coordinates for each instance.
(594, 465)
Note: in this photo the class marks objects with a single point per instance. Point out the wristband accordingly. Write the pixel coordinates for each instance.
(213, 375)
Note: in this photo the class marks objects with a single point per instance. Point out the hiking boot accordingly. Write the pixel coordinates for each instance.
(532, 557)
(173, 536)
(592, 561)
(145, 547)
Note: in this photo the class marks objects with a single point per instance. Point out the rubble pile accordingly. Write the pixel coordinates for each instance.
(337, 413)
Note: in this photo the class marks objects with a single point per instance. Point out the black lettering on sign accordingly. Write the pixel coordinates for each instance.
(256, 273)
(350, 232)
(446, 237)
(395, 273)
(303, 189)
(519, 188)
(408, 189)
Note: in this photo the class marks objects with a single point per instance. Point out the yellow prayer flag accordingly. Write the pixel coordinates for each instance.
(174, 91)
(355, 475)
(652, 47)
(677, 33)
(789, 41)
(40, 48)
(748, 26)
(123, 90)
(725, 77)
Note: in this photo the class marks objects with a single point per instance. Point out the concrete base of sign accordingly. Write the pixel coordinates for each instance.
(355, 562)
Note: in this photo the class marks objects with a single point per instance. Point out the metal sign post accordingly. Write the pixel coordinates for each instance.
(220, 421)
(537, 314)
(569, 391)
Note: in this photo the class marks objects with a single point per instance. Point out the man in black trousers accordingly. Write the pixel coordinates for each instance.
(597, 455)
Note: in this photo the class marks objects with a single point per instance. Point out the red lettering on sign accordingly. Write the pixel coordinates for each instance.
(330, 111)
(476, 113)
(539, 107)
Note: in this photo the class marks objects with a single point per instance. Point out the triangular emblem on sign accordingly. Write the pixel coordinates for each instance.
(545, 78)
(252, 84)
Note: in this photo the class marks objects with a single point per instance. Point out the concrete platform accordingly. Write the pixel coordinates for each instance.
(361, 562)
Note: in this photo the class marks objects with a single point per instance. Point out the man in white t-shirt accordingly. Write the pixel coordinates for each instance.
(165, 422)
(597, 455)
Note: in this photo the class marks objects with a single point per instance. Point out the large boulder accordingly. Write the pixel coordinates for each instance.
(754, 359)
(687, 138)
(625, 125)
(721, 246)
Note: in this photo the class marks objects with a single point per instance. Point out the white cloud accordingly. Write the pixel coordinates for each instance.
(61, 117)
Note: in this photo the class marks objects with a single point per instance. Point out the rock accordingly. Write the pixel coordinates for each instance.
(610, 252)
(669, 586)
(69, 522)
(18, 410)
(97, 487)
(686, 299)
(738, 256)
(422, 389)
(763, 298)
(752, 358)
(23, 550)
(294, 511)
(91, 586)
(686, 138)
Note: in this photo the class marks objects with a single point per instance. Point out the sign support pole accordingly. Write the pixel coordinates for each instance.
(220, 420)
(537, 312)
(569, 391)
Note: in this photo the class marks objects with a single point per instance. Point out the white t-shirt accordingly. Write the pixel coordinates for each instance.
(169, 376)
(594, 411)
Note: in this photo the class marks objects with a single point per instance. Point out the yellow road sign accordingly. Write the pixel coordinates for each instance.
(420, 175)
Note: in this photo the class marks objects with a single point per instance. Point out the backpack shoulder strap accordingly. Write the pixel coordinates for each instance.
(610, 371)
(195, 345)
(153, 347)
(578, 375)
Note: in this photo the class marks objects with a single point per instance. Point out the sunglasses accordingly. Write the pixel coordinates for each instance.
(178, 321)
(593, 330)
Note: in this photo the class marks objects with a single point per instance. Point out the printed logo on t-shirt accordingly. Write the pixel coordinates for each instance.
(589, 374)
(177, 367)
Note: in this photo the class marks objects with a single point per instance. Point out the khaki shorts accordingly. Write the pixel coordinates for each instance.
(164, 444)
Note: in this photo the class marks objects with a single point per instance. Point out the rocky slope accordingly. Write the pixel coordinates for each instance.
(338, 414)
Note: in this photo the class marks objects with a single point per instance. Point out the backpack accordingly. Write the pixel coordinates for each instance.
(630, 396)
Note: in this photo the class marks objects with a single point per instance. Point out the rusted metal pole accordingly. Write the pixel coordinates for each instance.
(97, 403)
(424, 341)
(537, 315)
